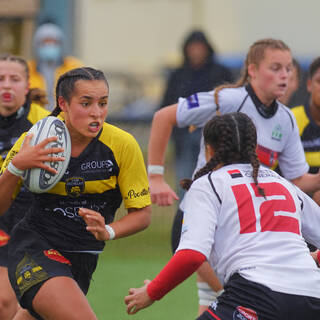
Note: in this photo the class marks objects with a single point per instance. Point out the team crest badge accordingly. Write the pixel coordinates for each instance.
(277, 133)
(75, 186)
(29, 273)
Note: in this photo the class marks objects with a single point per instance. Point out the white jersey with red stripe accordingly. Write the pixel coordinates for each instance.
(277, 133)
(262, 239)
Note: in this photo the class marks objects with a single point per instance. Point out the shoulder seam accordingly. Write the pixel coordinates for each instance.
(213, 188)
(288, 113)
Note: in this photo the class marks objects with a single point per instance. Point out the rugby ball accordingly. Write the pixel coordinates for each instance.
(39, 180)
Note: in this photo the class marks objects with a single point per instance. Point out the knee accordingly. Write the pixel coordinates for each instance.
(8, 307)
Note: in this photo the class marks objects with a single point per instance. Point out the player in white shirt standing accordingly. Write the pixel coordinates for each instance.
(250, 224)
(267, 68)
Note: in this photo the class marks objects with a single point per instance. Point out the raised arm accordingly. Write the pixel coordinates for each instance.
(162, 124)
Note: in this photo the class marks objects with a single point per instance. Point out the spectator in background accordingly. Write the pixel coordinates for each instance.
(308, 120)
(50, 59)
(199, 72)
(293, 84)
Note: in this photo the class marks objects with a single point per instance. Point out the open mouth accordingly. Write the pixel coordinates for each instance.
(283, 86)
(6, 96)
(94, 124)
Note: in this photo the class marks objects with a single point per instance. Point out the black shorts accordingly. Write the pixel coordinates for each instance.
(247, 300)
(176, 230)
(4, 240)
(32, 261)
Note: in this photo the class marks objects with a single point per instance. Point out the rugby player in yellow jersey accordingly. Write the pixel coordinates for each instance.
(54, 250)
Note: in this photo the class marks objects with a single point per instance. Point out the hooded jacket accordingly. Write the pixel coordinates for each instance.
(185, 80)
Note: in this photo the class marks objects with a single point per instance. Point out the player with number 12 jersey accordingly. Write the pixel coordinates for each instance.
(227, 201)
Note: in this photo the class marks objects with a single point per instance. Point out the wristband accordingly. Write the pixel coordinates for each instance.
(14, 170)
(220, 292)
(155, 169)
(318, 257)
(111, 232)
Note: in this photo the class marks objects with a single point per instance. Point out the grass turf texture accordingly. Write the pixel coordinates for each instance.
(127, 262)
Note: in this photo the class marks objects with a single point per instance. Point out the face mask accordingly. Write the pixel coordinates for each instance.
(49, 52)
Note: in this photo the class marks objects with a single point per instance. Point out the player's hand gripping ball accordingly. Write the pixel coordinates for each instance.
(39, 180)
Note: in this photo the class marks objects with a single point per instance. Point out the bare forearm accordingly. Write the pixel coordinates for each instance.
(136, 220)
(8, 183)
(163, 122)
(308, 182)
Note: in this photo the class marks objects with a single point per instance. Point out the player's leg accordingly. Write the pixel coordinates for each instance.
(61, 298)
(23, 314)
(8, 301)
(209, 286)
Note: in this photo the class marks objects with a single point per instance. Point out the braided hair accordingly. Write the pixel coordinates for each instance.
(36, 95)
(66, 83)
(233, 138)
(255, 55)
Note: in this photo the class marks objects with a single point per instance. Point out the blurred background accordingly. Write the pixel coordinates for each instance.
(137, 43)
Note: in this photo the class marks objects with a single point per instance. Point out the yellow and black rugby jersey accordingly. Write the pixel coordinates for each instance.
(310, 136)
(110, 169)
(11, 129)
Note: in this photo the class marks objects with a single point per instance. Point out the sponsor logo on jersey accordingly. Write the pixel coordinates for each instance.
(266, 156)
(75, 186)
(97, 165)
(243, 313)
(235, 173)
(193, 101)
(137, 194)
(56, 256)
(29, 273)
(71, 212)
(4, 238)
(277, 133)
(262, 173)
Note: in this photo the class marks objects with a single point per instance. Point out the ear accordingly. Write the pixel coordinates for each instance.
(309, 85)
(62, 103)
(252, 70)
(209, 152)
(27, 89)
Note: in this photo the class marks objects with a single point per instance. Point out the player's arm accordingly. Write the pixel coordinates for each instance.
(308, 182)
(136, 220)
(178, 269)
(16, 162)
(161, 128)
(8, 183)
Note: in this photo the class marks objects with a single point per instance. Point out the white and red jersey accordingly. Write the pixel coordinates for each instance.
(238, 230)
(277, 132)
